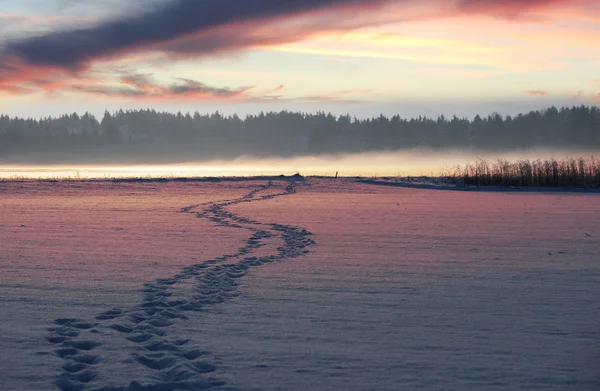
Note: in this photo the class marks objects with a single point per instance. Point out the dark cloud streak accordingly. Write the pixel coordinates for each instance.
(73, 48)
(154, 23)
(142, 86)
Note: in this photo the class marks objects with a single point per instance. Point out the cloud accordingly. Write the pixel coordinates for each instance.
(577, 96)
(72, 48)
(344, 96)
(180, 28)
(143, 87)
(180, 19)
(15, 25)
(17, 90)
(327, 98)
(536, 93)
(512, 8)
(192, 28)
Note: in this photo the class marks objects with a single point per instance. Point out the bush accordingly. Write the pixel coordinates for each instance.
(568, 172)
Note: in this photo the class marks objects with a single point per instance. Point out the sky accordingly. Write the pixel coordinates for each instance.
(362, 57)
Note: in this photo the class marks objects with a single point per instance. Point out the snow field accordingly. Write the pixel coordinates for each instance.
(295, 285)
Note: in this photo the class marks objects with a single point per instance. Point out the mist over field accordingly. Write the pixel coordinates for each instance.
(413, 162)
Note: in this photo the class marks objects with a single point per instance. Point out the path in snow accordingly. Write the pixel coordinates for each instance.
(173, 362)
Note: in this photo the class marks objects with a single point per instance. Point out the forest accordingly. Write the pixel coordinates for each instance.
(159, 137)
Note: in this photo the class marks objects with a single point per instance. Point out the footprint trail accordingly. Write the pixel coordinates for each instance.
(146, 327)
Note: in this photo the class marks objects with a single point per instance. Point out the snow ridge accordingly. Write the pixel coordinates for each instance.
(146, 326)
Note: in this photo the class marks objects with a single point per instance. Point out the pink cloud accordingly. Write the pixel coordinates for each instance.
(577, 96)
(536, 93)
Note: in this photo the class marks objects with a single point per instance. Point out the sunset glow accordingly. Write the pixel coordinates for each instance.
(461, 56)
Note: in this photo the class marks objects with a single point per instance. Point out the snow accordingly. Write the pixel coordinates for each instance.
(143, 286)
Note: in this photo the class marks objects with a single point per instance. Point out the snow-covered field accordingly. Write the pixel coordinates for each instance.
(312, 285)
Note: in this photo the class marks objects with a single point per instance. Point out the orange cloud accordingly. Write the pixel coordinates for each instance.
(516, 8)
(536, 93)
(577, 96)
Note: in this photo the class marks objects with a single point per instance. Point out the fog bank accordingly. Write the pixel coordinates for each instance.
(415, 162)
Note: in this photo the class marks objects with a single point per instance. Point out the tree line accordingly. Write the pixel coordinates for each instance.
(152, 136)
